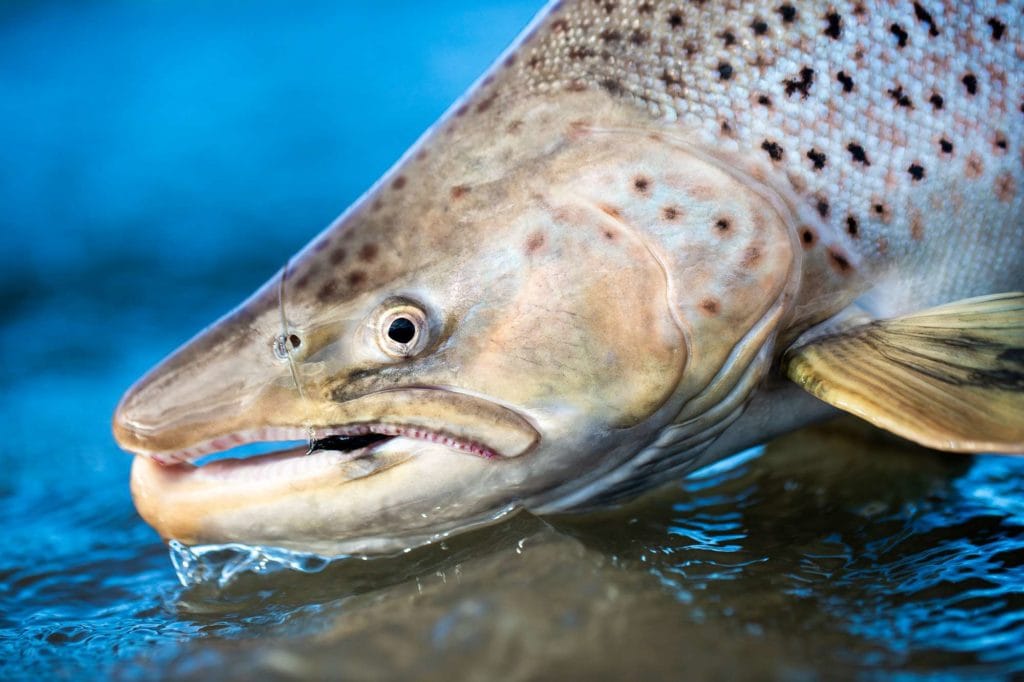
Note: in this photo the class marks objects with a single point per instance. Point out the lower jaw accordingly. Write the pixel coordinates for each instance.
(326, 503)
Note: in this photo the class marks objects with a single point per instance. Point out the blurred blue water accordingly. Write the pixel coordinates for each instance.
(160, 160)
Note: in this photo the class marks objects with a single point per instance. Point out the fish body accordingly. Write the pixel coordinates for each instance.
(585, 279)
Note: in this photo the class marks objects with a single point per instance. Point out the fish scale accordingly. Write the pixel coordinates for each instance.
(826, 80)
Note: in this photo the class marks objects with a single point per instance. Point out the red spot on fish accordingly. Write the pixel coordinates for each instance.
(399, 182)
(710, 306)
(459, 191)
(975, 166)
(486, 104)
(327, 291)
(337, 256)
(368, 253)
(1006, 188)
(751, 256)
(534, 243)
(916, 227)
(356, 277)
(670, 213)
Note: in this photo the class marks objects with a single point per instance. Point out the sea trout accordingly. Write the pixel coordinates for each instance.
(652, 234)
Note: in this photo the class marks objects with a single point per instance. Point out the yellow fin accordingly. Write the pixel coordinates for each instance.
(950, 378)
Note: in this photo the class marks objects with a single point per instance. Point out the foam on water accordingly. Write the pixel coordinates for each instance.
(221, 564)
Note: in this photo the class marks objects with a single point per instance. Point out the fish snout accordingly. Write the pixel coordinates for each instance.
(224, 377)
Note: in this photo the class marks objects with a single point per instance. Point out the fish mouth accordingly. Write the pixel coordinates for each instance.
(354, 439)
(366, 468)
(437, 415)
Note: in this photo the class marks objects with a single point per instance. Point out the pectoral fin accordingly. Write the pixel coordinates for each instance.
(950, 378)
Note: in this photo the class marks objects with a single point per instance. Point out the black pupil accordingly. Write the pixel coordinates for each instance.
(402, 330)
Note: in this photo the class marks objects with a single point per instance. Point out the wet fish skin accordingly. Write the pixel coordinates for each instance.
(613, 237)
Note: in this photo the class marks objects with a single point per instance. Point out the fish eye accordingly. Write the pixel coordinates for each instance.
(403, 329)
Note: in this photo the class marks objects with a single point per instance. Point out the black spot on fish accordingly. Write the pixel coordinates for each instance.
(901, 35)
(728, 38)
(807, 236)
(852, 227)
(578, 52)
(823, 207)
(858, 153)
(835, 26)
(971, 83)
(675, 19)
(724, 71)
(773, 149)
(801, 84)
(839, 261)
(639, 37)
(817, 159)
(759, 26)
(613, 85)
(937, 101)
(998, 29)
(946, 146)
(788, 13)
(610, 36)
(925, 17)
(764, 100)
(916, 171)
(901, 97)
(847, 82)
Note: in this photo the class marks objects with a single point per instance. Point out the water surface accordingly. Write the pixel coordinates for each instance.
(160, 160)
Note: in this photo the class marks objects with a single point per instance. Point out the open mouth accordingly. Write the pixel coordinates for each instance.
(355, 440)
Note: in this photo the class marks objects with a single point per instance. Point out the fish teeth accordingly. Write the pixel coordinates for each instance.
(292, 433)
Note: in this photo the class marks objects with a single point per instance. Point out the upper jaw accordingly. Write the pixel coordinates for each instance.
(440, 415)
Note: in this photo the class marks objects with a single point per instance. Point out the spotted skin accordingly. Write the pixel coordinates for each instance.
(620, 229)
(904, 120)
(896, 127)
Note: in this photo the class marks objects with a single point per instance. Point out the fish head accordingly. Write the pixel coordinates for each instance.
(482, 331)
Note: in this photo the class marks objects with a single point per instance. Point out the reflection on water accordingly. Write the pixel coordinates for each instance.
(166, 159)
(837, 552)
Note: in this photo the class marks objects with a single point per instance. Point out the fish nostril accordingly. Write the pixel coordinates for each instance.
(280, 346)
(284, 344)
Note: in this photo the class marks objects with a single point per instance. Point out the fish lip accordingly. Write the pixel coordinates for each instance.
(461, 420)
(212, 446)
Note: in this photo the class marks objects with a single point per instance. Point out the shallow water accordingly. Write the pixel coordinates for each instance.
(159, 162)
